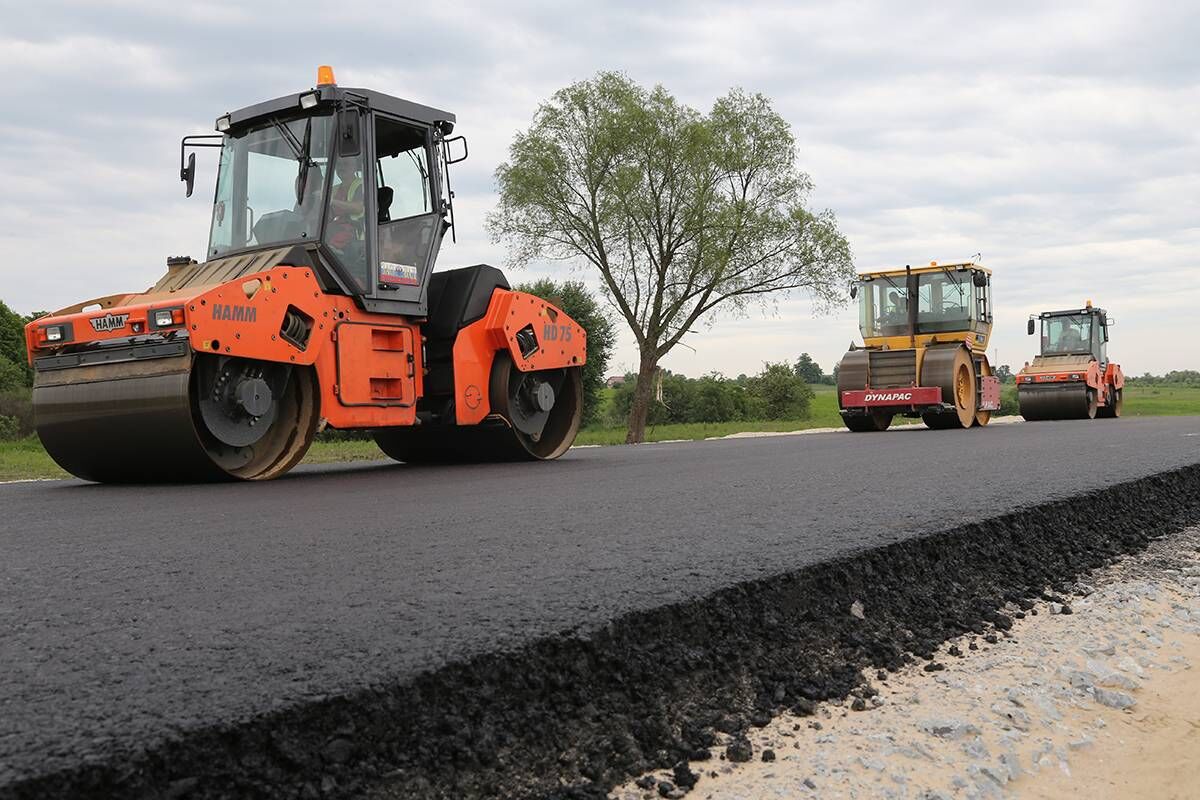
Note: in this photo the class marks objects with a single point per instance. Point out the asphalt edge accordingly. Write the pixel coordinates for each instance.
(574, 714)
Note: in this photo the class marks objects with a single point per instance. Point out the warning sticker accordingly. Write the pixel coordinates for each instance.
(405, 274)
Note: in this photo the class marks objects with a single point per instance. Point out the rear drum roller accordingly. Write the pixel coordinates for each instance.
(867, 423)
(983, 417)
(535, 416)
(952, 370)
(1113, 409)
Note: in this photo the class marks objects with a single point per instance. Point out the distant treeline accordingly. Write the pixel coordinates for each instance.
(778, 392)
(1176, 377)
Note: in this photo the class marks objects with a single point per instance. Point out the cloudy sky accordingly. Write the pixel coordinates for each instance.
(1061, 141)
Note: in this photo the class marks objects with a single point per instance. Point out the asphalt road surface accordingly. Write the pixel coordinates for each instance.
(129, 614)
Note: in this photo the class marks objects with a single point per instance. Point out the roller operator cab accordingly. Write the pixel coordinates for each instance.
(316, 305)
(925, 333)
(1072, 376)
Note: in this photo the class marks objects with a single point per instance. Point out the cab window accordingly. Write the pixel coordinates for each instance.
(409, 224)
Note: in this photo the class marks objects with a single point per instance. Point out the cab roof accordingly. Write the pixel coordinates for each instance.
(932, 266)
(377, 101)
(1071, 312)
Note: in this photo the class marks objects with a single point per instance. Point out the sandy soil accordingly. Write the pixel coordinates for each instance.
(1099, 700)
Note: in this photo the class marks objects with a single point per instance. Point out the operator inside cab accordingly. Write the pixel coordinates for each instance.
(347, 213)
(897, 309)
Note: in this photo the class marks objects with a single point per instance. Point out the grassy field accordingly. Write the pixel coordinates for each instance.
(1159, 401)
(25, 459)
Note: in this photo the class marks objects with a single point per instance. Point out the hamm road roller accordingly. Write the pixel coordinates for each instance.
(315, 304)
(925, 331)
(1072, 377)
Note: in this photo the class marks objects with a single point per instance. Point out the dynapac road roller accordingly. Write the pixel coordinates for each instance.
(925, 331)
(316, 304)
(1072, 377)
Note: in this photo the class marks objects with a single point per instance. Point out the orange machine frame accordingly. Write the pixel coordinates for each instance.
(370, 367)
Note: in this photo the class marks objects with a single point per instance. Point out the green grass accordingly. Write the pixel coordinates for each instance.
(1158, 401)
(323, 452)
(25, 459)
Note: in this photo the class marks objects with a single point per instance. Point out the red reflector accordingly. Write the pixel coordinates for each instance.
(177, 316)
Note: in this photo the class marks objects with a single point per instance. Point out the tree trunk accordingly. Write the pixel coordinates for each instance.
(643, 396)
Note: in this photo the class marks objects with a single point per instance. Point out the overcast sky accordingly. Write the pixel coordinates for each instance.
(1061, 141)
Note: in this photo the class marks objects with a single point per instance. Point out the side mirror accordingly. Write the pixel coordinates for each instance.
(349, 137)
(1029, 327)
(456, 149)
(853, 290)
(979, 279)
(188, 174)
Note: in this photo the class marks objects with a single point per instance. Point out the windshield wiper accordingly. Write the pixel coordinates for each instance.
(289, 138)
(950, 275)
(305, 162)
(301, 151)
(895, 285)
(412, 156)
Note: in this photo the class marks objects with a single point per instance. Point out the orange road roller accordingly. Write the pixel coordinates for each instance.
(1072, 377)
(316, 305)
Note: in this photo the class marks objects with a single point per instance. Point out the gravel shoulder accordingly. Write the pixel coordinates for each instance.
(1092, 694)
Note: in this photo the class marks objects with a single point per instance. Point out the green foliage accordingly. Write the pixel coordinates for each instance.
(783, 393)
(17, 404)
(14, 367)
(776, 393)
(580, 305)
(809, 370)
(10, 430)
(1005, 374)
(680, 211)
(1009, 406)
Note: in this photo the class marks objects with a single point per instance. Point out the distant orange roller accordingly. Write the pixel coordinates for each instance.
(1072, 376)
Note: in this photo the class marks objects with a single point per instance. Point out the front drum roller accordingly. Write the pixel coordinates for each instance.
(535, 417)
(180, 419)
(1063, 401)
(953, 371)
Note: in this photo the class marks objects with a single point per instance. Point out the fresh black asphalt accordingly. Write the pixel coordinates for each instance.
(133, 614)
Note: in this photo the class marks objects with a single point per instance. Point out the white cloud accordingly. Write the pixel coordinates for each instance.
(1062, 141)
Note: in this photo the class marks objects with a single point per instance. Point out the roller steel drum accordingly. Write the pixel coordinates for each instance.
(139, 421)
(952, 370)
(1065, 401)
(536, 416)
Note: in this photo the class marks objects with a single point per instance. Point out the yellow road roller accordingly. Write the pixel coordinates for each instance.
(925, 332)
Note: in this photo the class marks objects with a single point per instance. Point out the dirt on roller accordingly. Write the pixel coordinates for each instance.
(664, 649)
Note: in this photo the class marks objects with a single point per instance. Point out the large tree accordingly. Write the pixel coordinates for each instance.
(681, 213)
(808, 369)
